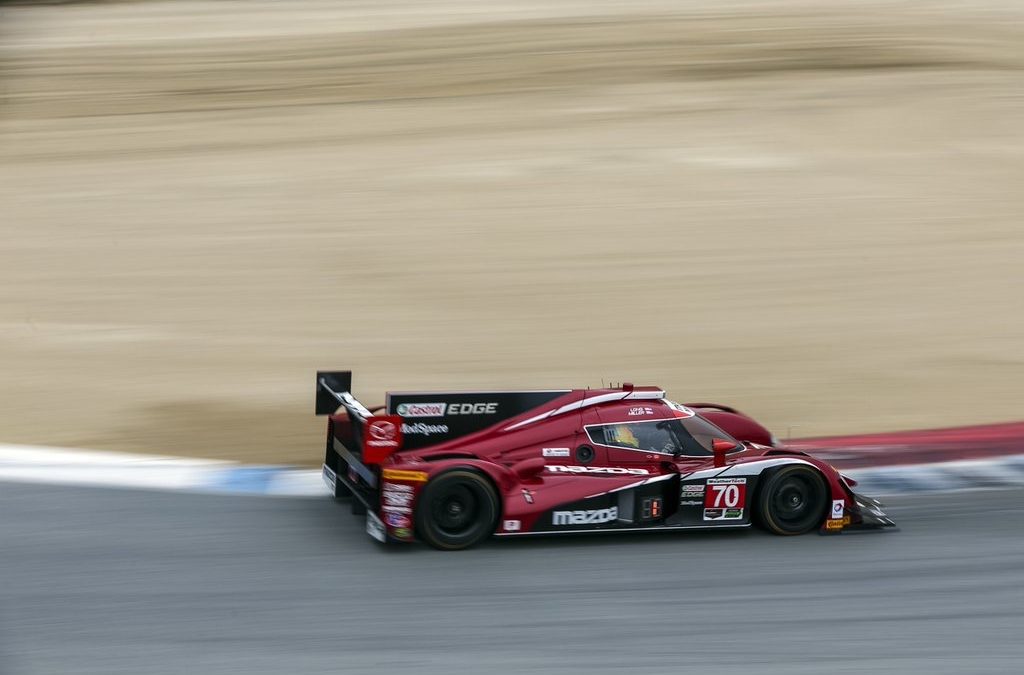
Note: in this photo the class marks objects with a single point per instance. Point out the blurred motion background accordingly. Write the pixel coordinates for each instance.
(809, 210)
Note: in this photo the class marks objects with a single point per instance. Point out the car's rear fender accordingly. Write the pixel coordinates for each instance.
(416, 475)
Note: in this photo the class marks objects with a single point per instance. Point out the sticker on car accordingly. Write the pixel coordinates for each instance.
(729, 493)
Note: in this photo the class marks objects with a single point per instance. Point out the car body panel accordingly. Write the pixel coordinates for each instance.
(590, 460)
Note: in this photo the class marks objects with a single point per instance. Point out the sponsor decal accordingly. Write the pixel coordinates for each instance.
(375, 528)
(402, 533)
(421, 429)
(691, 502)
(617, 470)
(397, 520)
(713, 514)
(692, 490)
(472, 408)
(591, 517)
(380, 438)
(686, 412)
(440, 409)
(512, 525)
(330, 477)
(555, 452)
(397, 498)
(837, 523)
(398, 474)
(838, 506)
(396, 509)
(382, 431)
(727, 493)
(395, 487)
(528, 495)
(421, 409)
(641, 410)
(723, 514)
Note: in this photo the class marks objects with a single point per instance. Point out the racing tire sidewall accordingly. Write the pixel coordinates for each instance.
(799, 478)
(461, 486)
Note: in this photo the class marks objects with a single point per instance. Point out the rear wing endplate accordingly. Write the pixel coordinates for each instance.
(333, 391)
(375, 436)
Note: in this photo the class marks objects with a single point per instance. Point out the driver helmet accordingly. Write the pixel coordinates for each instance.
(621, 434)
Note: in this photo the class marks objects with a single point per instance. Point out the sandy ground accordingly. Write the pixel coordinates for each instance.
(811, 211)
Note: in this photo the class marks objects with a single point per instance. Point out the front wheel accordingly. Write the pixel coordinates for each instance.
(792, 501)
(457, 510)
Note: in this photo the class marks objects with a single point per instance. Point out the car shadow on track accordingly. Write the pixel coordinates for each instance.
(334, 522)
(606, 539)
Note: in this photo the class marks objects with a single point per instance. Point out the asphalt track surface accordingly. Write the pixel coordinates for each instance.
(120, 581)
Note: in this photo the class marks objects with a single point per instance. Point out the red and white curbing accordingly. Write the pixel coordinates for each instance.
(997, 472)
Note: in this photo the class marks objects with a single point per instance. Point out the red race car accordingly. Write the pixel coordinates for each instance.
(452, 469)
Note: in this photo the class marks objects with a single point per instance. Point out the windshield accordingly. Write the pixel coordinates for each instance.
(702, 433)
(689, 436)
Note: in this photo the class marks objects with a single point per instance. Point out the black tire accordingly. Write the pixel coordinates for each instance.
(792, 501)
(457, 510)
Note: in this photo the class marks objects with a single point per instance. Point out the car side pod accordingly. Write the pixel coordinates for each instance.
(528, 468)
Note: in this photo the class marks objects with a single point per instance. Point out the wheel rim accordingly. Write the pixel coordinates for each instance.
(794, 502)
(456, 511)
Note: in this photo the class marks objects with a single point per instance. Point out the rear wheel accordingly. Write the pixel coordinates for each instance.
(456, 510)
(792, 501)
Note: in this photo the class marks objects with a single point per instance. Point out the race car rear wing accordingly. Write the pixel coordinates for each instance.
(333, 390)
(425, 418)
(374, 437)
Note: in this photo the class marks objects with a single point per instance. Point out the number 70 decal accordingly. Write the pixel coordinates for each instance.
(725, 493)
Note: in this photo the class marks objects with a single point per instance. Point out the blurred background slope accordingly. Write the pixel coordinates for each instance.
(812, 211)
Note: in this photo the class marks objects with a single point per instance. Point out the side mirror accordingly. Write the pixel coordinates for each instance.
(720, 446)
(529, 468)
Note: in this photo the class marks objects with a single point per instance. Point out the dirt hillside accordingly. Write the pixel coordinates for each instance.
(812, 211)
